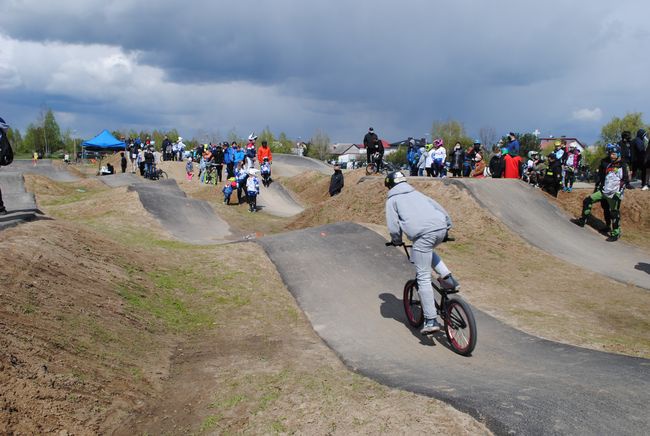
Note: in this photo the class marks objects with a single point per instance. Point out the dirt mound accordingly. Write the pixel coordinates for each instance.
(70, 350)
(635, 212)
(507, 277)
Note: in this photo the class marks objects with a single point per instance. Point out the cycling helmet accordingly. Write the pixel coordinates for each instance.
(266, 159)
(394, 178)
(532, 153)
(438, 142)
(614, 148)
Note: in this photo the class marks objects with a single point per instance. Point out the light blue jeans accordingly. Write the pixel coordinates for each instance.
(424, 258)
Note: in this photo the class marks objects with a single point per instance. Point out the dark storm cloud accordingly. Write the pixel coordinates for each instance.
(413, 61)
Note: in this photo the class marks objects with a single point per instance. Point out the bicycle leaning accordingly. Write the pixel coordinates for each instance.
(457, 316)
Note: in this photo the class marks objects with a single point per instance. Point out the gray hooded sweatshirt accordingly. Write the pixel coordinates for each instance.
(414, 213)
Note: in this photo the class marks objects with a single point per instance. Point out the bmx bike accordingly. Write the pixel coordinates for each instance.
(156, 173)
(457, 316)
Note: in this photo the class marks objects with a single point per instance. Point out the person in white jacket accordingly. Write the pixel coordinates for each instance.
(439, 157)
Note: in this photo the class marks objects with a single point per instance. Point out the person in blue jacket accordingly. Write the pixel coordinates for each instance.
(229, 160)
(240, 155)
(513, 145)
(413, 156)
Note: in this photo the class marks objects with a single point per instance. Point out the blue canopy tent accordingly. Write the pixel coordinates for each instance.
(102, 143)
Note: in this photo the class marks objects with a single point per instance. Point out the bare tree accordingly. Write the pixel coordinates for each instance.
(319, 145)
(488, 137)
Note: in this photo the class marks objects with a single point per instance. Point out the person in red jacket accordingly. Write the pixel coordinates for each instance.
(264, 151)
(512, 165)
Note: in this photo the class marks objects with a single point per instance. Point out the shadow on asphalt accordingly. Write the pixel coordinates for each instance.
(642, 266)
(393, 308)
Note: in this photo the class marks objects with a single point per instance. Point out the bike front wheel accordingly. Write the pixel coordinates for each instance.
(162, 175)
(413, 304)
(370, 169)
(460, 326)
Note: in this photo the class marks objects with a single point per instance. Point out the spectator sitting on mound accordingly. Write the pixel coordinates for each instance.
(336, 181)
(479, 167)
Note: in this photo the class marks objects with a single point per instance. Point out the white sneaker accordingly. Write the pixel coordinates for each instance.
(645, 188)
(430, 326)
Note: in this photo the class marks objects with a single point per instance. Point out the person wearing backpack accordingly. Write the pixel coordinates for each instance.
(6, 156)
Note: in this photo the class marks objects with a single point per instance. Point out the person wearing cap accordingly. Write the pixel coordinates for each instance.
(426, 224)
(252, 189)
(570, 164)
(513, 145)
(457, 159)
(336, 181)
(369, 142)
(229, 159)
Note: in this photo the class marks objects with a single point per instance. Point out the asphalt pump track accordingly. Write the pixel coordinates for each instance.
(350, 287)
(527, 212)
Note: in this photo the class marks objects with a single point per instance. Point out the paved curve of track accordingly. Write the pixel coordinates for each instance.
(21, 204)
(349, 285)
(529, 214)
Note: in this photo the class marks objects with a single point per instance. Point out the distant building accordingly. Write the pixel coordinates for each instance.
(548, 144)
(346, 152)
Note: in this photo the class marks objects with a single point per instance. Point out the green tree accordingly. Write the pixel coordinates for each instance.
(319, 147)
(398, 157)
(451, 131)
(611, 132)
(528, 142)
(266, 135)
(34, 140)
(51, 132)
(283, 144)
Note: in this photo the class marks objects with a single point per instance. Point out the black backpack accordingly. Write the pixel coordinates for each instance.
(6, 153)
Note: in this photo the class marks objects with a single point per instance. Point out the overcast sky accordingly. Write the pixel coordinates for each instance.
(562, 67)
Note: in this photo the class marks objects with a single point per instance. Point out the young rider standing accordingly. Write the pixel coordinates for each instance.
(610, 186)
(425, 223)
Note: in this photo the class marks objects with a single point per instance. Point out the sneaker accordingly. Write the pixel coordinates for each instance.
(629, 187)
(580, 222)
(430, 326)
(645, 188)
(449, 282)
(569, 189)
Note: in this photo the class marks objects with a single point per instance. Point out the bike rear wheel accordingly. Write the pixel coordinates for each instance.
(413, 304)
(370, 169)
(162, 175)
(460, 326)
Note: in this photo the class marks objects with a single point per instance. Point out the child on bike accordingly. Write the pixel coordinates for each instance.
(265, 171)
(252, 189)
(425, 223)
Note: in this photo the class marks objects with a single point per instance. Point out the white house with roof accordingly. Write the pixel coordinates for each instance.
(346, 152)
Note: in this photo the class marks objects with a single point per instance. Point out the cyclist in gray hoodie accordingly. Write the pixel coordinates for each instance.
(425, 223)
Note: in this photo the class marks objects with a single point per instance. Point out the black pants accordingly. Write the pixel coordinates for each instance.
(230, 170)
(219, 168)
(2, 205)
